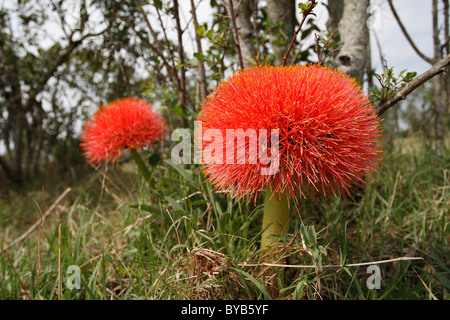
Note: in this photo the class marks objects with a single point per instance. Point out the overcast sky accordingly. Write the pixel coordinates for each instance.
(416, 16)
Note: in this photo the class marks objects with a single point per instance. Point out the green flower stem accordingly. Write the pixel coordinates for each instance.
(140, 163)
(276, 217)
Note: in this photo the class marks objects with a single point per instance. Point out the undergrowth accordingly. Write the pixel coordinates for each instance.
(178, 239)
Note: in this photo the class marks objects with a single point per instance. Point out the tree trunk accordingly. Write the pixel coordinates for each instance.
(335, 11)
(355, 35)
(447, 51)
(182, 83)
(245, 29)
(437, 99)
(201, 75)
(281, 12)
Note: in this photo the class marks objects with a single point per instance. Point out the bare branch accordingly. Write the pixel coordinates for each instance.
(321, 52)
(183, 93)
(439, 67)
(201, 66)
(40, 221)
(408, 37)
(158, 52)
(73, 44)
(306, 13)
(235, 33)
(330, 265)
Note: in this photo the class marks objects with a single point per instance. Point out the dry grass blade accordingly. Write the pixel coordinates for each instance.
(331, 265)
(40, 221)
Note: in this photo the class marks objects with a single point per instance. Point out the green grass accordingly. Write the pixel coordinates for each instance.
(178, 239)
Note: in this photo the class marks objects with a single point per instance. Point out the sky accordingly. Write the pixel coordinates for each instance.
(416, 17)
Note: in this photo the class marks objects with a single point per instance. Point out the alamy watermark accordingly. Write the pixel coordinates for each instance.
(374, 20)
(234, 146)
(73, 280)
(374, 280)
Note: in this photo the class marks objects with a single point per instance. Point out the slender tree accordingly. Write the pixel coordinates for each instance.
(25, 76)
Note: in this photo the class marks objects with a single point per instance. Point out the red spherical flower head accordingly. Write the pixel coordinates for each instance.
(126, 123)
(328, 134)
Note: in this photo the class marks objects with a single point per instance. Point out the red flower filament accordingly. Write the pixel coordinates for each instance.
(328, 132)
(126, 123)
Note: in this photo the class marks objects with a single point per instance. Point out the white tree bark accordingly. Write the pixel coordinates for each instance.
(354, 33)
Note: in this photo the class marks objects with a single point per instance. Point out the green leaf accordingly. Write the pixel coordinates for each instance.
(410, 75)
(157, 4)
(210, 34)
(322, 250)
(255, 282)
(182, 171)
(199, 56)
(154, 159)
(175, 103)
(151, 208)
(303, 6)
(201, 30)
(306, 236)
(178, 110)
(252, 61)
(175, 205)
(374, 91)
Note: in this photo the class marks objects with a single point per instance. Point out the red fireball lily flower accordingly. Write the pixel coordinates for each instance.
(126, 123)
(328, 132)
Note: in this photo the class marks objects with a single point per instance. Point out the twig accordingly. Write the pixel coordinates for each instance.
(306, 13)
(41, 220)
(189, 196)
(182, 86)
(172, 74)
(411, 42)
(125, 79)
(380, 51)
(321, 52)
(235, 33)
(201, 65)
(330, 265)
(439, 67)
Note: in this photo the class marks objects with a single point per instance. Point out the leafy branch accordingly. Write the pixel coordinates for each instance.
(437, 68)
(306, 10)
(389, 83)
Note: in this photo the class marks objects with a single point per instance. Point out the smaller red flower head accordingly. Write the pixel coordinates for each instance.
(126, 123)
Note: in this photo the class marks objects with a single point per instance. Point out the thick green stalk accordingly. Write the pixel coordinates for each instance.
(140, 163)
(276, 217)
